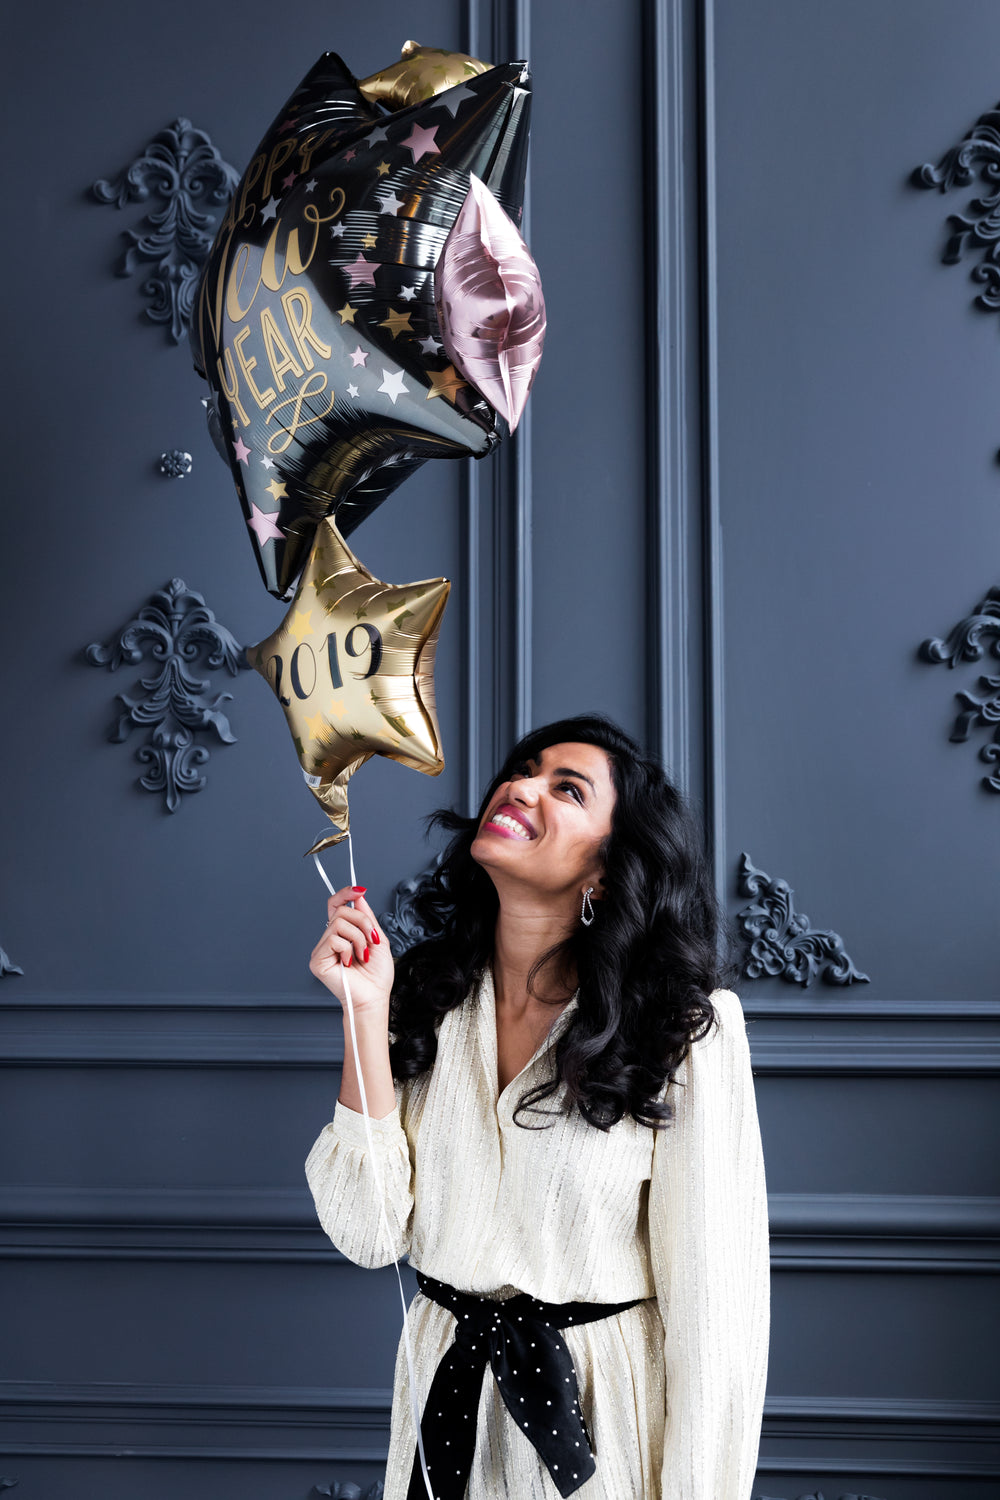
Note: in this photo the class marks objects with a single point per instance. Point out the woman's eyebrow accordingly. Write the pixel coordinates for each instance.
(566, 771)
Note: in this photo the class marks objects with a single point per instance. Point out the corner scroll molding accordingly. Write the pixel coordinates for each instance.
(182, 167)
(818, 1495)
(401, 925)
(968, 641)
(782, 942)
(979, 227)
(339, 1490)
(7, 966)
(174, 627)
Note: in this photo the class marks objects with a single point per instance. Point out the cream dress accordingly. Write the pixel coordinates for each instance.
(672, 1390)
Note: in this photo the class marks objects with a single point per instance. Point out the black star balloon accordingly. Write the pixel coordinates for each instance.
(315, 320)
(352, 665)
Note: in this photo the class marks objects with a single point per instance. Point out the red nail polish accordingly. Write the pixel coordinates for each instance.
(359, 888)
(347, 960)
(365, 959)
(375, 936)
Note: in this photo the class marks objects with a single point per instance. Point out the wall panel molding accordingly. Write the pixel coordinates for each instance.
(872, 1233)
(341, 1424)
(207, 1034)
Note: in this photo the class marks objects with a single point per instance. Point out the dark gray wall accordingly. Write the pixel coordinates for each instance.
(759, 470)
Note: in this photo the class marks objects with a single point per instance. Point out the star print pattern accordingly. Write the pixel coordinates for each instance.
(393, 384)
(264, 526)
(397, 323)
(242, 451)
(362, 272)
(421, 142)
(445, 383)
(270, 210)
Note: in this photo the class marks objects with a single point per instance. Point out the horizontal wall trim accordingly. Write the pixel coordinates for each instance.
(797, 1004)
(939, 1056)
(212, 1422)
(885, 1468)
(144, 1041)
(809, 1231)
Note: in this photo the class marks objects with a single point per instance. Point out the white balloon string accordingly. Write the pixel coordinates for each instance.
(379, 1184)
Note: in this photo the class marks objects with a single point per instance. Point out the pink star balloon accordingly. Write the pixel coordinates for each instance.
(489, 301)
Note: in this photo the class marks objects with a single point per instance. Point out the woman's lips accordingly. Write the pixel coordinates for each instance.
(508, 812)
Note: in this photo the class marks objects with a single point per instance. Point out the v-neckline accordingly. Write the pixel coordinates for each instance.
(488, 1034)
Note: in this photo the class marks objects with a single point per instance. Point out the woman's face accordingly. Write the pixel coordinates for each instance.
(546, 824)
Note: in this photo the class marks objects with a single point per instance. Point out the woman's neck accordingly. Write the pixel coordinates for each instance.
(522, 936)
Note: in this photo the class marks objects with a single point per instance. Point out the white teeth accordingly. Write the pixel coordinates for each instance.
(503, 820)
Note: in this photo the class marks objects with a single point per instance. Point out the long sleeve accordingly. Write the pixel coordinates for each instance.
(710, 1253)
(346, 1191)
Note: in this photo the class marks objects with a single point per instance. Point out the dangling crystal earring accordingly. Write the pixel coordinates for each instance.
(587, 914)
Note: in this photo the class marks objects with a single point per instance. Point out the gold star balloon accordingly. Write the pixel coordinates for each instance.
(421, 73)
(352, 665)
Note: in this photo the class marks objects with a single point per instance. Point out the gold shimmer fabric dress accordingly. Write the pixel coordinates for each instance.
(672, 1390)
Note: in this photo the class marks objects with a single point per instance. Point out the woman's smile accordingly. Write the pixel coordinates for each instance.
(508, 822)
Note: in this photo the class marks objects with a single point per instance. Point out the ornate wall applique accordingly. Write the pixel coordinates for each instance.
(781, 941)
(182, 168)
(175, 464)
(968, 641)
(7, 966)
(401, 925)
(979, 228)
(818, 1495)
(340, 1490)
(174, 628)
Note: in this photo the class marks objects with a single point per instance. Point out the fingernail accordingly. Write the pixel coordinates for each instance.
(365, 959)
(347, 960)
(359, 888)
(375, 936)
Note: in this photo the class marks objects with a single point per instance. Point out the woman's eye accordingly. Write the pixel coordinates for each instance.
(571, 786)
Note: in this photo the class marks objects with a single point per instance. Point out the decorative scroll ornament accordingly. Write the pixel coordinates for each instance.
(7, 966)
(175, 464)
(346, 1491)
(967, 642)
(979, 229)
(174, 627)
(782, 942)
(401, 925)
(818, 1495)
(182, 167)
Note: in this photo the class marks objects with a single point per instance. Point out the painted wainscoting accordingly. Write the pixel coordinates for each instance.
(757, 473)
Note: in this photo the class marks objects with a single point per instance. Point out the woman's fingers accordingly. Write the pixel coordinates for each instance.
(351, 930)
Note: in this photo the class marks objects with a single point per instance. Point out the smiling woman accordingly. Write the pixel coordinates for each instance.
(567, 1138)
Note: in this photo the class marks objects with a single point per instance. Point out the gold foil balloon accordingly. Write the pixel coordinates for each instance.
(422, 73)
(352, 665)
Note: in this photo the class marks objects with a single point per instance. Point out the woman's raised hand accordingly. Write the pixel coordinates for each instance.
(353, 941)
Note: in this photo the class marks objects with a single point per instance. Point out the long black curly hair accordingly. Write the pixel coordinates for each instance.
(659, 945)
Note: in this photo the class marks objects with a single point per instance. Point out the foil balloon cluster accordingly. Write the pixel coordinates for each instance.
(368, 304)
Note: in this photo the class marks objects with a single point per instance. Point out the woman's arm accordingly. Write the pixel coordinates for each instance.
(709, 1243)
(352, 1189)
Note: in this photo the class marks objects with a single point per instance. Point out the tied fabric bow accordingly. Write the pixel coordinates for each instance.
(520, 1339)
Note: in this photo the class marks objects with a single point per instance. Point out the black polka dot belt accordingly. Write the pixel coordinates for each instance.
(520, 1339)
